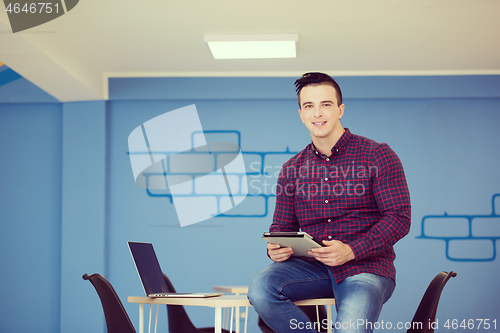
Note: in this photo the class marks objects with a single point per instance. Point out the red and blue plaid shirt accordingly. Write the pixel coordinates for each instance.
(357, 195)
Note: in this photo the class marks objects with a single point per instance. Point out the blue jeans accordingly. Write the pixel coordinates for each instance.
(358, 298)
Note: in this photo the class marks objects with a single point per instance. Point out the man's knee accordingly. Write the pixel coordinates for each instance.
(372, 286)
(261, 288)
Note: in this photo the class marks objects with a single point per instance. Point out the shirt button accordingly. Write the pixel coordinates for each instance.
(337, 150)
(326, 201)
(327, 159)
(316, 152)
(326, 179)
(329, 237)
(329, 220)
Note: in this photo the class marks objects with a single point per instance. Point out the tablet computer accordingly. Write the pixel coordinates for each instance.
(301, 242)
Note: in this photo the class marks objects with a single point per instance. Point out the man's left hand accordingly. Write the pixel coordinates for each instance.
(334, 253)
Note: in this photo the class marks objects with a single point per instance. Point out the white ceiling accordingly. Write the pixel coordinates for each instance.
(72, 56)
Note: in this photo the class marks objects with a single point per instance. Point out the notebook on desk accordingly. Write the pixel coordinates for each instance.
(151, 275)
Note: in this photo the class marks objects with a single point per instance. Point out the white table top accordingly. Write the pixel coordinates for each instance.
(218, 301)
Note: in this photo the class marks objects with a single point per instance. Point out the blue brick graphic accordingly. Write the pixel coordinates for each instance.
(469, 237)
(171, 157)
(261, 167)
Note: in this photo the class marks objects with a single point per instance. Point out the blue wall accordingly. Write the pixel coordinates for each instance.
(30, 216)
(69, 201)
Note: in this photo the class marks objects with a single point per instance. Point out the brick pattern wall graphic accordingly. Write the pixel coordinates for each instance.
(467, 237)
(171, 157)
(257, 185)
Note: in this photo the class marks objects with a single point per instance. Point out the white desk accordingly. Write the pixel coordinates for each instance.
(219, 302)
(235, 290)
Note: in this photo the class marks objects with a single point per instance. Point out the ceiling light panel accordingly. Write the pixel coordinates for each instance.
(252, 46)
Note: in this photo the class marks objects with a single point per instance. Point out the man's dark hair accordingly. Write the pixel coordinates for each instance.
(316, 78)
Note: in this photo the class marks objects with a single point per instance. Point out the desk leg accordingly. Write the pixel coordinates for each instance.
(218, 320)
(231, 320)
(150, 314)
(141, 318)
(246, 319)
(329, 317)
(237, 316)
(156, 321)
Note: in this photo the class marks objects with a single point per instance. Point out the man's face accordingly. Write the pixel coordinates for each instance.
(319, 111)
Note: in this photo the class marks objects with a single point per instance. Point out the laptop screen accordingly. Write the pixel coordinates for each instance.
(148, 268)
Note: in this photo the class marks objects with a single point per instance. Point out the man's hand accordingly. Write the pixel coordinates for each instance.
(277, 253)
(335, 253)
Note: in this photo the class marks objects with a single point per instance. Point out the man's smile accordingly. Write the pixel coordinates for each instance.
(319, 123)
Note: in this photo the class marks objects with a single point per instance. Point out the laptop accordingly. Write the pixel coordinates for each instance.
(150, 273)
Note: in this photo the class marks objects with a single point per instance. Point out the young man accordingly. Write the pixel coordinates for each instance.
(349, 192)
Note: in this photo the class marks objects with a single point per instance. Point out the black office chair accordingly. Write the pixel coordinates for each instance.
(117, 319)
(178, 319)
(426, 311)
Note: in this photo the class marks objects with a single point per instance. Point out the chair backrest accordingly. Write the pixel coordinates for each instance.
(425, 315)
(117, 319)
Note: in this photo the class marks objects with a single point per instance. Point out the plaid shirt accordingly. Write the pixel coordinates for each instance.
(357, 195)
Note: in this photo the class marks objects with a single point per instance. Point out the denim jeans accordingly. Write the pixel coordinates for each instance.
(358, 298)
